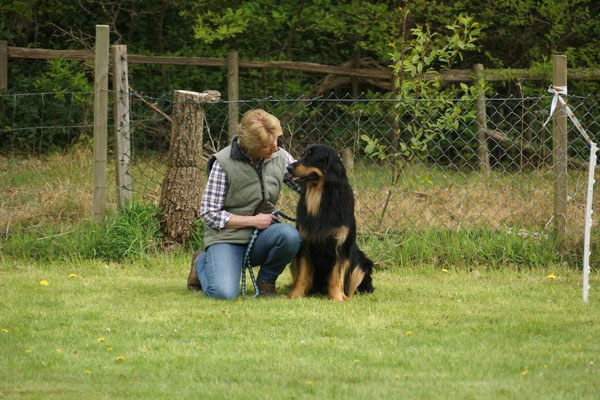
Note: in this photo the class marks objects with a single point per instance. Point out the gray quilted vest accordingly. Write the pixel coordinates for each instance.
(246, 190)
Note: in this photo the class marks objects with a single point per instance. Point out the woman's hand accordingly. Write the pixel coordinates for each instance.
(263, 221)
(259, 221)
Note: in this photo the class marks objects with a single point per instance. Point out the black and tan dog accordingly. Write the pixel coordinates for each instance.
(329, 260)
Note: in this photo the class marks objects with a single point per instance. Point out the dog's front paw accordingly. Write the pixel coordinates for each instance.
(294, 294)
(338, 296)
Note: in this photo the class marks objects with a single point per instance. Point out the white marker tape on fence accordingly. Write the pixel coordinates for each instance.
(558, 91)
(588, 222)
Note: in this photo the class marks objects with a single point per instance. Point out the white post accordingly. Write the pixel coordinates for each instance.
(588, 221)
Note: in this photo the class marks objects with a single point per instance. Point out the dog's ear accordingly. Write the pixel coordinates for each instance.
(335, 168)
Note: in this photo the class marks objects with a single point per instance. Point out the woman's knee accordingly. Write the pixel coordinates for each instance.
(223, 270)
(290, 237)
(220, 291)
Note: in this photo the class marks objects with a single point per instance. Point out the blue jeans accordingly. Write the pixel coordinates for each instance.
(220, 268)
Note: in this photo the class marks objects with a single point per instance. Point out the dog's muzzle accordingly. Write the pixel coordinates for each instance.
(292, 167)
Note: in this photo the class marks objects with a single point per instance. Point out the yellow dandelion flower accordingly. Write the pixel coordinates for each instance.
(356, 361)
(120, 358)
(4, 330)
(100, 340)
(397, 376)
(551, 276)
(408, 333)
(309, 382)
(444, 270)
(59, 351)
(524, 372)
(72, 276)
(88, 372)
(109, 348)
(27, 350)
(44, 282)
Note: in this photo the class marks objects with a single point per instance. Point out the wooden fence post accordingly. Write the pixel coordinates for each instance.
(3, 64)
(482, 150)
(122, 122)
(233, 64)
(181, 189)
(100, 120)
(559, 150)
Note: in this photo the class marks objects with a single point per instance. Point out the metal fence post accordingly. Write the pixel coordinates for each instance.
(559, 150)
(122, 123)
(482, 151)
(232, 91)
(100, 120)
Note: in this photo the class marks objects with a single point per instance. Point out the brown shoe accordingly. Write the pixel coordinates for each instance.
(266, 289)
(193, 283)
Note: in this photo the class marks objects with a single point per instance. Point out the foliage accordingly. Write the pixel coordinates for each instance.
(288, 26)
(133, 234)
(369, 116)
(196, 240)
(426, 110)
(540, 28)
(514, 34)
(212, 27)
(56, 116)
(64, 78)
(467, 248)
(417, 67)
(511, 34)
(52, 243)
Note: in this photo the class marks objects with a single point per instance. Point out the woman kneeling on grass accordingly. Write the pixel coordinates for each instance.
(244, 183)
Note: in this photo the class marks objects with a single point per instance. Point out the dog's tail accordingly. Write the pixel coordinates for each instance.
(366, 265)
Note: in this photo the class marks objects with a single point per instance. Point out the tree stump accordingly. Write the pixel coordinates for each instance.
(181, 189)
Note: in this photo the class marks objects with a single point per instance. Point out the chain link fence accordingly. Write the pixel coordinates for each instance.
(402, 184)
(45, 164)
(412, 166)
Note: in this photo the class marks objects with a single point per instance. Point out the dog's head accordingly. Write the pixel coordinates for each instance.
(319, 162)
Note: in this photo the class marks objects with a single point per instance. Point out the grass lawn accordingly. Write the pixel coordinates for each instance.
(133, 330)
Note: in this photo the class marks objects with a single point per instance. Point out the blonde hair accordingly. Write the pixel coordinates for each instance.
(257, 129)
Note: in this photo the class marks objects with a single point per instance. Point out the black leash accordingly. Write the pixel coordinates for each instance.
(246, 263)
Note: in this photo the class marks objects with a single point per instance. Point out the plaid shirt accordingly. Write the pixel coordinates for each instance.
(213, 198)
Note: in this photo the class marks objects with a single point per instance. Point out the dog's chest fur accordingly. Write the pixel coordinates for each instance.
(313, 196)
(326, 212)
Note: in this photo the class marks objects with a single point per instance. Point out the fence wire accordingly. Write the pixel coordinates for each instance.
(413, 164)
(403, 184)
(39, 183)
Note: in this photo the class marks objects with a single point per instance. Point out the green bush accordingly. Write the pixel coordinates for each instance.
(196, 240)
(465, 248)
(133, 233)
(51, 243)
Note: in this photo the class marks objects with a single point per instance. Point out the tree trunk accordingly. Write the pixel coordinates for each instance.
(182, 186)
